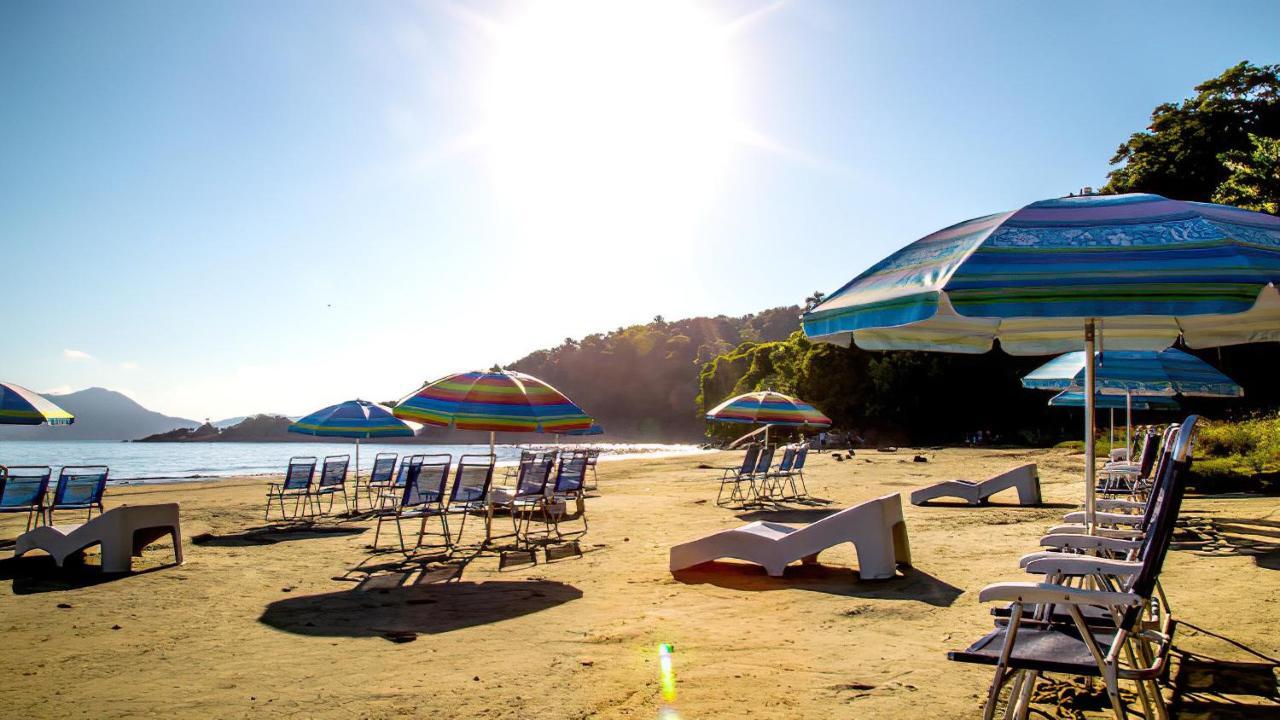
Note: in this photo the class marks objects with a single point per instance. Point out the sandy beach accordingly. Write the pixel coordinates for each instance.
(309, 622)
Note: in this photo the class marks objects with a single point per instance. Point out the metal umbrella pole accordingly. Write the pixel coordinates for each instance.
(1089, 402)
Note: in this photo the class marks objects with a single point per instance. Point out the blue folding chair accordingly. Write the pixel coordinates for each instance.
(296, 486)
(79, 488)
(22, 489)
(571, 476)
(422, 497)
(381, 476)
(333, 480)
(470, 492)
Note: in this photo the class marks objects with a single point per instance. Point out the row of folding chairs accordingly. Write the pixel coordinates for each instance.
(306, 491)
(538, 493)
(1099, 610)
(25, 489)
(592, 456)
(1131, 474)
(757, 479)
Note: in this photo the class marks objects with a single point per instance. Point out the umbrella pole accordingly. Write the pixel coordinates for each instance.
(491, 438)
(357, 496)
(1089, 404)
(1111, 439)
(1128, 426)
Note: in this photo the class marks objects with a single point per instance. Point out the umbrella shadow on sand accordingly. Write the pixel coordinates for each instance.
(401, 613)
(271, 534)
(910, 584)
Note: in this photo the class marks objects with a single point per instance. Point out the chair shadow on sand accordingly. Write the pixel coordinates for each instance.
(33, 574)
(1258, 538)
(1203, 686)
(911, 584)
(272, 534)
(402, 612)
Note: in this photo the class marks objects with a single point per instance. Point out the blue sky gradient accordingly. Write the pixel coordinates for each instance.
(235, 207)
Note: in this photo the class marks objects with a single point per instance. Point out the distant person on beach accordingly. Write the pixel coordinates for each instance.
(822, 440)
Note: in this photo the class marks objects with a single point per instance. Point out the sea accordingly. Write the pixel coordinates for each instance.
(170, 462)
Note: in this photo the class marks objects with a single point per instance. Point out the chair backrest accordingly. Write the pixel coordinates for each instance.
(765, 460)
(24, 486)
(425, 479)
(1147, 460)
(593, 457)
(571, 473)
(81, 485)
(788, 459)
(801, 454)
(384, 466)
(1155, 546)
(300, 473)
(749, 459)
(334, 472)
(534, 476)
(408, 465)
(471, 482)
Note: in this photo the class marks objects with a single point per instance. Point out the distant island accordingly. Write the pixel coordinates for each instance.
(255, 428)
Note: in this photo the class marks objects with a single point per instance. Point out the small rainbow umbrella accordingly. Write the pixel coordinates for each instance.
(359, 419)
(20, 406)
(769, 408)
(497, 401)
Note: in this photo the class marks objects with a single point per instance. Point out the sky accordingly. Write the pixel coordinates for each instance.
(228, 208)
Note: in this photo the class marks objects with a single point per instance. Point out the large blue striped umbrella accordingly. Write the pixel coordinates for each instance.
(20, 406)
(358, 419)
(1142, 372)
(1046, 278)
(1075, 399)
(595, 429)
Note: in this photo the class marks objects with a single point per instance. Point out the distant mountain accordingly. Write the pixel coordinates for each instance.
(101, 414)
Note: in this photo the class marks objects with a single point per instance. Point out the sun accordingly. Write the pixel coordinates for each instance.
(609, 120)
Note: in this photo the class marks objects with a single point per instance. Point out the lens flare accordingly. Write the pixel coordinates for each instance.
(668, 674)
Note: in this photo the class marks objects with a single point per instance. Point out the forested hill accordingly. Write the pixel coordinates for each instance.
(641, 382)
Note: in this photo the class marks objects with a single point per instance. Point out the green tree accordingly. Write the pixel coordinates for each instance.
(1254, 182)
(1178, 156)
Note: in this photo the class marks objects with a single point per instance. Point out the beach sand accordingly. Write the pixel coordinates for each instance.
(311, 623)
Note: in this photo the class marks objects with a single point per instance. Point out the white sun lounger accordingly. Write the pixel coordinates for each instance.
(122, 532)
(875, 527)
(1024, 478)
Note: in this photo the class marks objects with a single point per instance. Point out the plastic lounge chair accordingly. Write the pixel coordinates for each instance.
(422, 497)
(79, 488)
(470, 492)
(734, 477)
(875, 527)
(1134, 647)
(1024, 478)
(121, 532)
(333, 480)
(380, 476)
(296, 486)
(22, 489)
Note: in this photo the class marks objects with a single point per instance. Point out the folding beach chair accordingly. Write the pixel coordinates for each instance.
(422, 497)
(1130, 640)
(797, 473)
(380, 476)
(22, 489)
(593, 459)
(774, 485)
(470, 491)
(79, 488)
(296, 486)
(532, 496)
(758, 480)
(734, 477)
(333, 480)
(570, 477)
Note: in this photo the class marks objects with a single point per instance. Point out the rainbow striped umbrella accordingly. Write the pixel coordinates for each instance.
(497, 401)
(1048, 277)
(769, 408)
(20, 406)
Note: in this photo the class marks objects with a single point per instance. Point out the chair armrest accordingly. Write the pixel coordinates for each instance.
(1067, 541)
(1076, 564)
(1027, 592)
(1103, 518)
(1109, 505)
(1124, 534)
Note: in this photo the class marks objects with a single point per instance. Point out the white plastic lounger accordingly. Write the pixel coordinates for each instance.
(1024, 478)
(122, 532)
(875, 527)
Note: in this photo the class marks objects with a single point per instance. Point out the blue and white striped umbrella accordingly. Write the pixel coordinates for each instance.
(20, 406)
(1135, 372)
(1075, 399)
(595, 429)
(358, 419)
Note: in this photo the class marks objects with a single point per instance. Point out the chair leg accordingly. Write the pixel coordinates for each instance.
(177, 546)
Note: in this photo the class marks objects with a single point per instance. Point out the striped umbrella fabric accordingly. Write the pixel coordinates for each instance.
(1075, 398)
(1140, 373)
(497, 401)
(769, 408)
(358, 419)
(20, 406)
(595, 429)
(1150, 267)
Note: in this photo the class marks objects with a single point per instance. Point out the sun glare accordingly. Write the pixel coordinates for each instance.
(609, 121)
